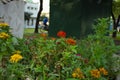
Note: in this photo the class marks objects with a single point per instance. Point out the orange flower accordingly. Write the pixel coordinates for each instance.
(43, 35)
(95, 73)
(53, 38)
(71, 41)
(61, 34)
(102, 70)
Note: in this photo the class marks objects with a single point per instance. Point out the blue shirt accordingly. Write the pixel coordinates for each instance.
(45, 20)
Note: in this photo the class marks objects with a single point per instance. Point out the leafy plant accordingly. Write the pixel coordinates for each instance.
(45, 58)
(10, 54)
(99, 48)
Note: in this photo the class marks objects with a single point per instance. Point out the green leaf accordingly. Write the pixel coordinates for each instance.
(14, 40)
(55, 75)
(3, 48)
(38, 69)
(11, 47)
(0, 58)
(72, 79)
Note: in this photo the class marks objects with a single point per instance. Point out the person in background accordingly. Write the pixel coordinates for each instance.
(45, 20)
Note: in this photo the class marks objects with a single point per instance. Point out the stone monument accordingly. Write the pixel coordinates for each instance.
(13, 14)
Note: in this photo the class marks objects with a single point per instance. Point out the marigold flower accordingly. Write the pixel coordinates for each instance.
(4, 35)
(103, 71)
(71, 41)
(81, 76)
(95, 73)
(78, 74)
(74, 75)
(43, 35)
(61, 34)
(77, 70)
(15, 58)
(4, 25)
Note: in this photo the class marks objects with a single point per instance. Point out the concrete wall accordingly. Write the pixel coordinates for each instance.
(13, 14)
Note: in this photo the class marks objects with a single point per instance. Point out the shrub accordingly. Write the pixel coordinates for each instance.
(44, 58)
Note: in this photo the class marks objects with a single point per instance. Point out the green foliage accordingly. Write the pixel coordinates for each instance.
(46, 58)
(9, 44)
(99, 48)
(116, 8)
(6, 40)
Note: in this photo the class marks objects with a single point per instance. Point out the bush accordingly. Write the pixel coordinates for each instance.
(44, 58)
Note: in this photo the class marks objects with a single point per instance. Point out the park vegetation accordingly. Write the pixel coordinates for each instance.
(59, 58)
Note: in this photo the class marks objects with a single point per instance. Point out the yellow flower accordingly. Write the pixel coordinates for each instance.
(4, 35)
(4, 25)
(78, 70)
(74, 75)
(102, 70)
(95, 73)
(81, 76)
(78, 74)
(15, 58)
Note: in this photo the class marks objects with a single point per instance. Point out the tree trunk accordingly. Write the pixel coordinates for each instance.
(115, 25)
(38, 16)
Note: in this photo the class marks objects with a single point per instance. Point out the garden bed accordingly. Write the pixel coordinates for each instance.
(39, 57)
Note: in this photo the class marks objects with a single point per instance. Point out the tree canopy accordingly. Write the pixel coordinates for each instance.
(115, 16)
(116, 8)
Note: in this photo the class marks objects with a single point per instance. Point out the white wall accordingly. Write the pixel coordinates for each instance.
(31, 8)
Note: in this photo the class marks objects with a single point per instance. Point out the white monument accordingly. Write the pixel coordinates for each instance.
(13, 14)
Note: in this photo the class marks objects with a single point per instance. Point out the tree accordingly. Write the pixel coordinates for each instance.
(115, 16)
(38, 16)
